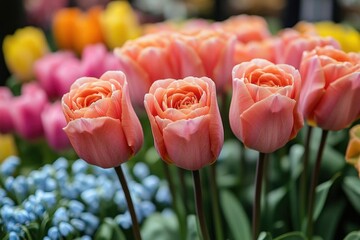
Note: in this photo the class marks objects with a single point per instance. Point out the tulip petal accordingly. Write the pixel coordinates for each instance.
(312, 86)
(190, 137)
(268, 124)
(99, 141)
(338, 107)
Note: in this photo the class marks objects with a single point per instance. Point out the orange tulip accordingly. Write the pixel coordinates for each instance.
(74, 29)
(352, 155)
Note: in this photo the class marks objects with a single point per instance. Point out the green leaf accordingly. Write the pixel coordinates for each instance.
(160, 227)
(353, 236)
(104, 232)
(192, 232)
(329, 219)
(322, 191)
(117, 233)
(291, 236)
(235, 216)
(265, 236)
(351, 188)
(274, 198)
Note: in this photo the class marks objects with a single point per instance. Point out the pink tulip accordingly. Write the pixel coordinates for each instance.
(291, 45)
(156, 56)
(96, 60)
(264, 111)
(6, 122)
(101, 124)
(264, 49)
(185, 121)
(53, 121)
(331, 88)
(26, 111)
(57, 71)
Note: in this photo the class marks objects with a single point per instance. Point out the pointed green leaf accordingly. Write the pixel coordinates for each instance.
(291, 236)
(235, 216)
(265, 236)
(353, 236)
(351, 188)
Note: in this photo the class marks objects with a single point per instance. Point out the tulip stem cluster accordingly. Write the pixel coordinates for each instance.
(135, 224)
(304, 174)
(314, 182)
(199, 207)
(258, 185)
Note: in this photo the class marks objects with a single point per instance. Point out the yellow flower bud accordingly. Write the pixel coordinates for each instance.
(347, 36)
(22, 49)
(119, 23)
(7, 146)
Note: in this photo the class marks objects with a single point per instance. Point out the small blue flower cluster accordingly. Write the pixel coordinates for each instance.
(62, 199)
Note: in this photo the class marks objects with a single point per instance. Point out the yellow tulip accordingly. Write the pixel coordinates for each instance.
(119, 23)
(22, 49)
(7, 146)
(352, 155)
(347, 36)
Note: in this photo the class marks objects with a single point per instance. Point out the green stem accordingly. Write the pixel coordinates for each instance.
(176, 206)
(184, 194)
(258, 185)
(304, 174)
(215, 202)
(199, 206)
(314, 182)
(135, 224)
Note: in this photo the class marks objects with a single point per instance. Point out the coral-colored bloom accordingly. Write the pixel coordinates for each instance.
(102, 125)
(352, 155)
(331, 88)
(22, 49)
(156, 56)
(216, 50)
(264, 49)
(26, 111)
(119, 23)
(185, 121)
(291, 45)
(247, 28)
(53, 121)
(57, 71)
(263, 111)
(6, 122)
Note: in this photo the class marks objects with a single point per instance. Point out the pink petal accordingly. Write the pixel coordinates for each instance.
(191, 137)
(267, 125)
(99, 141)
(339, 106)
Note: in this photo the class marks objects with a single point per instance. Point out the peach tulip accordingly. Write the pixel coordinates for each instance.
(219, 63)
(53, 121)
(264, 111)
(247, 28)
(331, 88)
(352, 155)
(101, 124)
(156, 56)
(291, 45)
(185, 121)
